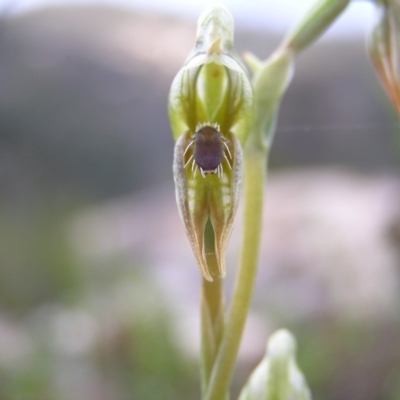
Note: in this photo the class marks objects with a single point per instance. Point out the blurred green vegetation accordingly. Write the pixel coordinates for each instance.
(351, 360)
(130, 350)
(37, 263)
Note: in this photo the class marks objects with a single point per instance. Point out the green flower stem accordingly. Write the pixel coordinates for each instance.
(270, 82)
(254, 177)
(212, 313)
(255, 169)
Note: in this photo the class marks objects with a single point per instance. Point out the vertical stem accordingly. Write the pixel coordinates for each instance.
(212, 310)
(255, 174)
(212, 313)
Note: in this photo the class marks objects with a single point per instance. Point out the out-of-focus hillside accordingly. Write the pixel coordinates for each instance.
(84, 91)
(83, 100)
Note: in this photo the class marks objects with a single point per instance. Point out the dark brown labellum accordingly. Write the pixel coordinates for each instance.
(208, 149)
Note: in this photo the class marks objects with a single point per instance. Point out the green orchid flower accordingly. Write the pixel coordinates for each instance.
(210, 108)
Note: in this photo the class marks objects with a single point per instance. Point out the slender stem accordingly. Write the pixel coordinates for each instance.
(315, 23)
(269, 84)
(212, 313)
(255, 174)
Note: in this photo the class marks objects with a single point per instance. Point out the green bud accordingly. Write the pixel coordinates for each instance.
(277, 377)
(384, 48)
(210, 108)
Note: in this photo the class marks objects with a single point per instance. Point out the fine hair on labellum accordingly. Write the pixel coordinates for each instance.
(209, 149)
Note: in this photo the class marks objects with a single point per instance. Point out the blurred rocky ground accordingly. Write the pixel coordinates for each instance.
(98, 286)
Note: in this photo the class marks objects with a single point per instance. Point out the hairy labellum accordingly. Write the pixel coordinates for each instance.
(208, 149)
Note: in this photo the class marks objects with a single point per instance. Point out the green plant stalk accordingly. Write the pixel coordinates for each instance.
(212, 313)
(270, 83)
(255, 162)
(212, 325)
(255, 170)
(315, 23)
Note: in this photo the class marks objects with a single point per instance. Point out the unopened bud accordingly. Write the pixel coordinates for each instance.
(277, 377)
(384, 48)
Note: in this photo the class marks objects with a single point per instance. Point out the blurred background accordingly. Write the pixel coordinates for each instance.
(99, 290)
